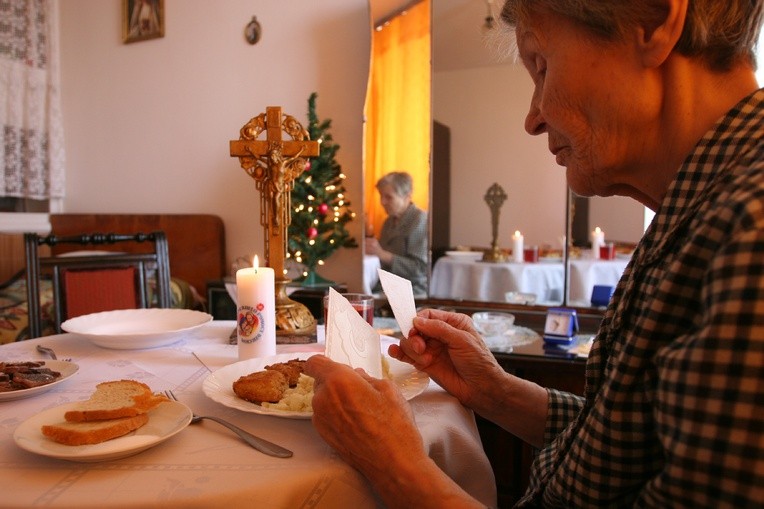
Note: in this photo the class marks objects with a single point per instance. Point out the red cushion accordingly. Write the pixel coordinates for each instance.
(92, 291)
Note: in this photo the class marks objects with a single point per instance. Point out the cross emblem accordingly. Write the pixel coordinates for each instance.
(274, 163)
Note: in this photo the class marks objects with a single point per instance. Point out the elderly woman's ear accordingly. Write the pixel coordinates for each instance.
(656, 42)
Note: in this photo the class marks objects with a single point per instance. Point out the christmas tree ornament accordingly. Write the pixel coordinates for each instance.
(323, 209)
(312, 233)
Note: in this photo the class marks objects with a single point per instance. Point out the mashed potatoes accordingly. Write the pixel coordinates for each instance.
(296, 399)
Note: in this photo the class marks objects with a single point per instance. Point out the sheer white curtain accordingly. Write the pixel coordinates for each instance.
(31, 136)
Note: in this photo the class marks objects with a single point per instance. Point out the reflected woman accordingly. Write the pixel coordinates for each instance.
(402, 244)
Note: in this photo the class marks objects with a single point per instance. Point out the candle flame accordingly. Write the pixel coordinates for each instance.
(517, 233)
(255, 262)
(597, 230)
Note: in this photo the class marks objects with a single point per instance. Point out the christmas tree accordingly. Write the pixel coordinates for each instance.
(320, 207)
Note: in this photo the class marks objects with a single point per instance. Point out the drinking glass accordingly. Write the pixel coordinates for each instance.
(361, 302)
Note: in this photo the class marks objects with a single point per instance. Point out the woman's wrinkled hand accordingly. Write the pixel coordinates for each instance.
(447, 347)
(364, 418)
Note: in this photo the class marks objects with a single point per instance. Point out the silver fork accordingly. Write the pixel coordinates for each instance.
(258, 443)
(49, 351)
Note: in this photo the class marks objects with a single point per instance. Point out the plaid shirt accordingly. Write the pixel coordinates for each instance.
(673, 414)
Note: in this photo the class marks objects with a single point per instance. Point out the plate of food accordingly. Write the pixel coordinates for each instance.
(105, 427)
(465, 255)
(132, 329)
(23, 379)
(295, 402)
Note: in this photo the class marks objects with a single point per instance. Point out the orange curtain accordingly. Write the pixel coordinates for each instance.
(398, 118)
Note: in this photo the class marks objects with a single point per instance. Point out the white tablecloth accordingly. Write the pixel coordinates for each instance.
(206, 465)
(370, 275)
(463, 279)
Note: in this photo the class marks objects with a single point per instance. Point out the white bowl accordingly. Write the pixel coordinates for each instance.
(493, 323)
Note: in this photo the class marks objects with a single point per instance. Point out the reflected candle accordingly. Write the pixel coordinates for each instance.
(598, 240)
(517, 247)
(256, 311)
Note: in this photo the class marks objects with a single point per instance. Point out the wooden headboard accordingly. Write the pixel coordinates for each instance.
(196, 241)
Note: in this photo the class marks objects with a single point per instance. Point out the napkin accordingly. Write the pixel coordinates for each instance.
(400, 295)
(349, 339)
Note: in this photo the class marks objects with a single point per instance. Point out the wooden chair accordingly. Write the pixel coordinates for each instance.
(86, 283)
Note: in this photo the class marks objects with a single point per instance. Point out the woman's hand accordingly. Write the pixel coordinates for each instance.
(447, 347)
(364, 418)
(369, 423)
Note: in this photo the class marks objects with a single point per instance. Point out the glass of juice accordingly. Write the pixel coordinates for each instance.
(362, 303)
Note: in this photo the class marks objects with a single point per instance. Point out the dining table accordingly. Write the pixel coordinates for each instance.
(469, 278)
(371, 266)
(204, 464)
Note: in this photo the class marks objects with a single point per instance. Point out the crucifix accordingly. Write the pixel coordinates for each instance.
(274, 163)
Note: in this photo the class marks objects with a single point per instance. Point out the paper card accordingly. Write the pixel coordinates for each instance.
(350, 339)
(400, 295)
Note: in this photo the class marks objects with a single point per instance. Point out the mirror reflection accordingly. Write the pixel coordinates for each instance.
(479, 103)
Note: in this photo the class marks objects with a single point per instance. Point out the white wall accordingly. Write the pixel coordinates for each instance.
(485, 108)
(147, 124)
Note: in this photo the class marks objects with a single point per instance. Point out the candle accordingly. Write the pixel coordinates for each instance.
(256, 312)
(517, 247)
(598, 240)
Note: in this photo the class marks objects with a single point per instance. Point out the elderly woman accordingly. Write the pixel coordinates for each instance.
(656, 100)
(402, 245)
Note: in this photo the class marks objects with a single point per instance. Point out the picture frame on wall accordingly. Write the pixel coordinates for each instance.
(142, 20)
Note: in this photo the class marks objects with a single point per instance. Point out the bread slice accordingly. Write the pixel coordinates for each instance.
(116, 399)
(95, 432)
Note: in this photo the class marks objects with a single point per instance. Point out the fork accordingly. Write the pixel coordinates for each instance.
(258, 443)
(49, 351)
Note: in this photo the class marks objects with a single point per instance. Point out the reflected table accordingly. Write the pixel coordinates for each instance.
(465, 279)
(205, 465)
(370, 275)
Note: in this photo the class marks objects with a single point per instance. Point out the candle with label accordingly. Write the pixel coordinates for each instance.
(598, 240)
(256, 311)
(517, 247)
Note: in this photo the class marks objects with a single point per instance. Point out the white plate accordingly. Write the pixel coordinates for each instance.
(465, 255)
(164, 421)
(132, 329)
(218, 386)
(66, 369)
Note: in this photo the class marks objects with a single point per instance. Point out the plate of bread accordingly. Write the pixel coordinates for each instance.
(121, 418)
(276, 386)
(132, 329)
(25, 379)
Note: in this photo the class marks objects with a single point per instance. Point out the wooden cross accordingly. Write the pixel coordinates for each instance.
(274, 164)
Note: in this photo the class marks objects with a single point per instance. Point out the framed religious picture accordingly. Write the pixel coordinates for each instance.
(142, 19)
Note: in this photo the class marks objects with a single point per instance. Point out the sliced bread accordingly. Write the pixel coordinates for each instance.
(82, 433)
(116, 399)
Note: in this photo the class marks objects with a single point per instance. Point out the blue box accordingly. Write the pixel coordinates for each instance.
(601, 295)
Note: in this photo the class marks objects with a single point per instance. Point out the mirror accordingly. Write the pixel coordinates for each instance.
(479, 105)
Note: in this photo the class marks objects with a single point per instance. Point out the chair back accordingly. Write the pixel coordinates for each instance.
(86, 283)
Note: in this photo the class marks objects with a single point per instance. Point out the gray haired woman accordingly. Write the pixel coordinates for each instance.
(656, 100)
(402, 244)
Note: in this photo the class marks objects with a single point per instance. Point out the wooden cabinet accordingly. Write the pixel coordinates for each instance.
(510, 457)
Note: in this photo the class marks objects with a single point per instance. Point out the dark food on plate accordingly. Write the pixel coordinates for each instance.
(271, 384)
(16, 376)
(291, 369)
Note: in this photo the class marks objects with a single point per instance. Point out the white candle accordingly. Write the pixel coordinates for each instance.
(256, 311)
(517, 247)
(598, 239)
